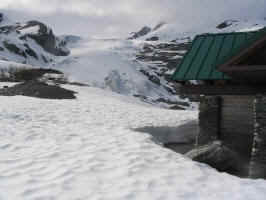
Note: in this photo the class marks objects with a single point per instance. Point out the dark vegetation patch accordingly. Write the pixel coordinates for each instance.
(38, 89)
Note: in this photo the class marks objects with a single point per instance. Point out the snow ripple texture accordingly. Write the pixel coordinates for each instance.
(86, 149)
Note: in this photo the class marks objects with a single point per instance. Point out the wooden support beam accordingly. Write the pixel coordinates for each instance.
(222, 90)
(246, 68)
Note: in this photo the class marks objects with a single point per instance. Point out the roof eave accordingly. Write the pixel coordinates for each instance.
(225, 67)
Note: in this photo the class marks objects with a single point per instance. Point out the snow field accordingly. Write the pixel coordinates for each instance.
(30, 30)
(86, 149)
(111, 64)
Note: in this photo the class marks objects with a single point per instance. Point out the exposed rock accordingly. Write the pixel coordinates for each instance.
(46, 38)
(151, 77)
(14, 49)
(32, 74)
(18, 38)
(30, 51)
(226, 24)
(1, 17)
(38, 89)
(176, 107)
(154, 38)
(163, 59)
(158, 26)
(144, 31)
(7, 29)
(44, 59)
(219, 157)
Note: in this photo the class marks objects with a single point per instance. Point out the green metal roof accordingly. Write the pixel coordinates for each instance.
(208, 51)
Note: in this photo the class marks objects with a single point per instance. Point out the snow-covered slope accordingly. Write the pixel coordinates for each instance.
(104, 63)
(88, 149)
(164, 46)
(111, 64)
(29, 42)
(171, 31)
(140, 67)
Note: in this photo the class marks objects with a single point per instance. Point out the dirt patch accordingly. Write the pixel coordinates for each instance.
(38, 89)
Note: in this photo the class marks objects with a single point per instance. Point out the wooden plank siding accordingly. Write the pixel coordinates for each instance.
(237, 123)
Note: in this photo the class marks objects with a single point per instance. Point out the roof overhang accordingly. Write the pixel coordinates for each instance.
(248, 72)
(213, 90)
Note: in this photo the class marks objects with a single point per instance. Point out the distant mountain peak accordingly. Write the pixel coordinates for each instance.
(1, 17)
(226, 24)
(142, 32)
(159, 25)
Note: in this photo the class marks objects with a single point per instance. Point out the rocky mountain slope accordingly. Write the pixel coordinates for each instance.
(31, 42)
(139, 66)
(164, 46)
(106, 63)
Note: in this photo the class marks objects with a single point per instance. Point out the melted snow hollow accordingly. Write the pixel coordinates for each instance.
(88, 149)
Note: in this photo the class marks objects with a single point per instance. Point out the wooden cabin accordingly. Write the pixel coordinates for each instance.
(230, 74)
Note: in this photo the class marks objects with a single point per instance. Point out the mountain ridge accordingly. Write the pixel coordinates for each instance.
(140, 66)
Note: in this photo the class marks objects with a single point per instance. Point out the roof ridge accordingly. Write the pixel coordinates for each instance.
(261, 33)
(232, 32)
(230, 49)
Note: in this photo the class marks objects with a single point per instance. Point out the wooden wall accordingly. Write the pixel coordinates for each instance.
(237, 123)
(258, 160)
(209, 120)
(240, 123)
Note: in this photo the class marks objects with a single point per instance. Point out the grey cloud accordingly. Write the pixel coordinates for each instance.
(119, 17)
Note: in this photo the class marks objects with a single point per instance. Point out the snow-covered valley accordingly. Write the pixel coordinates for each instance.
(88, 149)
(104, 63)
(108, 144)
(111, 64)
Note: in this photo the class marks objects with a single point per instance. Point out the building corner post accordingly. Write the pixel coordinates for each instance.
(209, 119)
(258, 155)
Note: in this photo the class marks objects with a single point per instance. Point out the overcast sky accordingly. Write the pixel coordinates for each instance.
(113, 18)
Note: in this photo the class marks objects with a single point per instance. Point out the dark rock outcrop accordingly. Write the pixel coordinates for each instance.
(21, 40)
(31, 52)
(226, 24)
(154, 38)
(1, 17)
(219, 157)
(158, 26)
(163, 58)
(45, 38)
(32, 74)
(38, 89)
(144, 31)
(14, 49)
